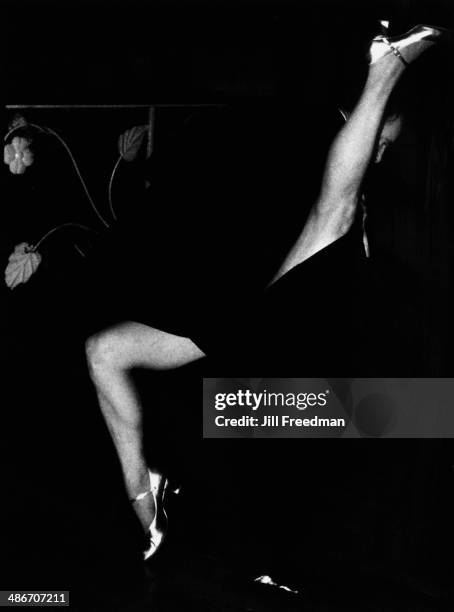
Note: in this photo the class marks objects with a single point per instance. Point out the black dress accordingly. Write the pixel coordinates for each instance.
(311, 322)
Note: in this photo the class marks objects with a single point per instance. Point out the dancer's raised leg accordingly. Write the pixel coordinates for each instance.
(350, 154)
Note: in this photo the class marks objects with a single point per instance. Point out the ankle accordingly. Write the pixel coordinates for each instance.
(381, 82)
(384, 74)
(137, 482)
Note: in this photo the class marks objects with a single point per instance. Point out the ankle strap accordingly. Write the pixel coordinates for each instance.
(140, 496)
(395, 50)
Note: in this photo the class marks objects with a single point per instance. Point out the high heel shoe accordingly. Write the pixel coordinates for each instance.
(383, 44)
(158, 526)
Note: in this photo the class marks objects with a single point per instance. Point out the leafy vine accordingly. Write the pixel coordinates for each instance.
(18, 155)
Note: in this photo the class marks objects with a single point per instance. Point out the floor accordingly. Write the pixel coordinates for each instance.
(206, 585)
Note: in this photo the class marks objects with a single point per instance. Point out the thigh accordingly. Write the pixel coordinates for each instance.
(139, 345)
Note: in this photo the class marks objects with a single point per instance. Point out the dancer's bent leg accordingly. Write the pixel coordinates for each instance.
(111, 354)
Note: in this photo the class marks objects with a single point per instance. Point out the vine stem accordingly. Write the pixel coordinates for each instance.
(18, 127)
(48, 130)
(61, 226)
(76, 167)
(112, 211)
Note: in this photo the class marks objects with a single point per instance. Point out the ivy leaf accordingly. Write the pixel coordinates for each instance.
(130, 142)
(22, 263)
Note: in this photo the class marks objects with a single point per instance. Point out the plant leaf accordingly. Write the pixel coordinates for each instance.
(130, 142)
(18, 122)
(22, 263)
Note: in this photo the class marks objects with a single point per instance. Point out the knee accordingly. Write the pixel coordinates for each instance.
(103, 351)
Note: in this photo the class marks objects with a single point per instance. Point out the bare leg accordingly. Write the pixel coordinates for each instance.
(111, 355)
(348, 159)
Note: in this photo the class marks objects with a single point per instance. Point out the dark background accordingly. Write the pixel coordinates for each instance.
(344, 521)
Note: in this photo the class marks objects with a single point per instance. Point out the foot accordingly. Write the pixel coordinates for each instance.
(141, 495)
(405, 48)
(145, 508)
(149, 508)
